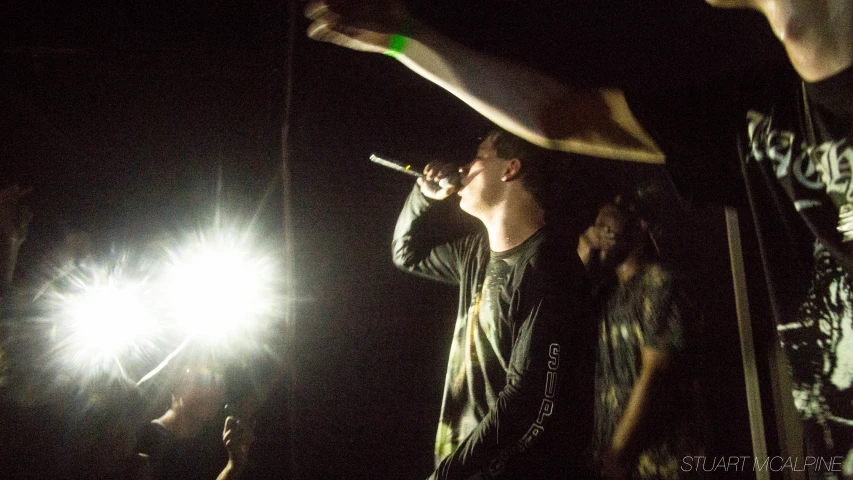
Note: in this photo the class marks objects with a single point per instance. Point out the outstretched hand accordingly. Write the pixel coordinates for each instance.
(364, 25)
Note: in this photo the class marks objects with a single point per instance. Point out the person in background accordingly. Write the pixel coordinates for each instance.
(177, 445)
(646, 415)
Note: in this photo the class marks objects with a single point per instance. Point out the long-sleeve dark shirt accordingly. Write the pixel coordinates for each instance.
(517, 399)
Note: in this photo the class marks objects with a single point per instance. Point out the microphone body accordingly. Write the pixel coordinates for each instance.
(452, 179)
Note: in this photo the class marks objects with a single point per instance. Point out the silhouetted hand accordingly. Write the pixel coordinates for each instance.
(364, 25)
(237, 436)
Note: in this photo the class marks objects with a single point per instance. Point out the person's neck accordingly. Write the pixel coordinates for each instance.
(817, 34)
(178, 424)
(511, 223)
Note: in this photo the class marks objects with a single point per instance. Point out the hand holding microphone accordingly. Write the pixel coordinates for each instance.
(438, 181)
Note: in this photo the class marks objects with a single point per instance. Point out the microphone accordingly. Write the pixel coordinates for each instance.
(452, 178)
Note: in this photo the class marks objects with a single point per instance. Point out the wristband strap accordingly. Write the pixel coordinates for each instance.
(398, 41)
(396, 45)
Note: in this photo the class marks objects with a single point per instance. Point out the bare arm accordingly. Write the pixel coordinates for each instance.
(525, 102)
(649, 388)
(529, 104)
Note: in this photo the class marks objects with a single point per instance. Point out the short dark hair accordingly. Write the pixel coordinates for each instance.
(537, 169)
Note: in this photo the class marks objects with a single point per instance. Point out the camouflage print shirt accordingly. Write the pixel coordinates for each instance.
(648, 311)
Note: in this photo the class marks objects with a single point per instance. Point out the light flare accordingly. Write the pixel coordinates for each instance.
(107, 318)
(99, 316)
(216, 292)
(218, 286)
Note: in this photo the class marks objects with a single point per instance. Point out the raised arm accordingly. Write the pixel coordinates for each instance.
(416, 247)
(525, 102)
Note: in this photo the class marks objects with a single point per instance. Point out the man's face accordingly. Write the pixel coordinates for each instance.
(612, 235)
(482, 186)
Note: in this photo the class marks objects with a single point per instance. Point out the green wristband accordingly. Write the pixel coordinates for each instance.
(398, 41)
(396, 45)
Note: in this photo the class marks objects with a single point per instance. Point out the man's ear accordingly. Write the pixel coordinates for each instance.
(512, 170)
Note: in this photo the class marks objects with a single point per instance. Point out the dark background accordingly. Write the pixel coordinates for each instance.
(121, 114)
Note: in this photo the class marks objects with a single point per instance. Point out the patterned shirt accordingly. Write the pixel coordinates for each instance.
(804, 146)
(648, 311)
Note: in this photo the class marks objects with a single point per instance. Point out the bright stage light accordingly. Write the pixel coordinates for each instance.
(99, 316)
(107, 318)
(216, 291)
(219, 286)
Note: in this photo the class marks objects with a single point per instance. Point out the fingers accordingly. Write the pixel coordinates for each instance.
(230, 422)
(436, 170)
(323, 24)
(237, 434)
(316, 9)
(586, 241)
(606, 237)
(235, 427)
(353, 25)
(598, 238)
(331, 28)
(605, 243)
(329, 24)
(431, 183)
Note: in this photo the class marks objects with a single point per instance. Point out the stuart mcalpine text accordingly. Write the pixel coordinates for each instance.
(768, 464)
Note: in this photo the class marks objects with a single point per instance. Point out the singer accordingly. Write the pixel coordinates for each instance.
(517, 401)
